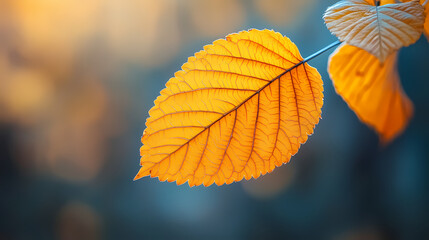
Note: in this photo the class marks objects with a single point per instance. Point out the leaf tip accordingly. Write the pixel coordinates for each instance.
(139, 175)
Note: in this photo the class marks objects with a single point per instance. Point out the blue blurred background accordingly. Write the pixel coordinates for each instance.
(78, 78)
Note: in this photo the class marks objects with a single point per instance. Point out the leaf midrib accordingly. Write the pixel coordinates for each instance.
(237, 107)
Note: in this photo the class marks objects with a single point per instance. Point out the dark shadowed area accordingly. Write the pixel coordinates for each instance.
(77, 80)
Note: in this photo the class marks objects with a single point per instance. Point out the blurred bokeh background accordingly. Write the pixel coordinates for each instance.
(77, 79)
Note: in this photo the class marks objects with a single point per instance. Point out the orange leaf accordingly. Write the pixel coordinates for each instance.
(371, 89)
(237, 109)
(380, 30)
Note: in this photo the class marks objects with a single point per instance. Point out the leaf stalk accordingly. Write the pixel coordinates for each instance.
(334, 44)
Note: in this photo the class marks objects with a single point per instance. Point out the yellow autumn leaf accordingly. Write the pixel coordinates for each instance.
(380, 30)
(371, 89)
(237, 109)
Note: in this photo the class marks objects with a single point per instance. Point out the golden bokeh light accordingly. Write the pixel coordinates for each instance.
(145, 31)
(216, 18)
(51, 34)
(284, 12)
(25, 94)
